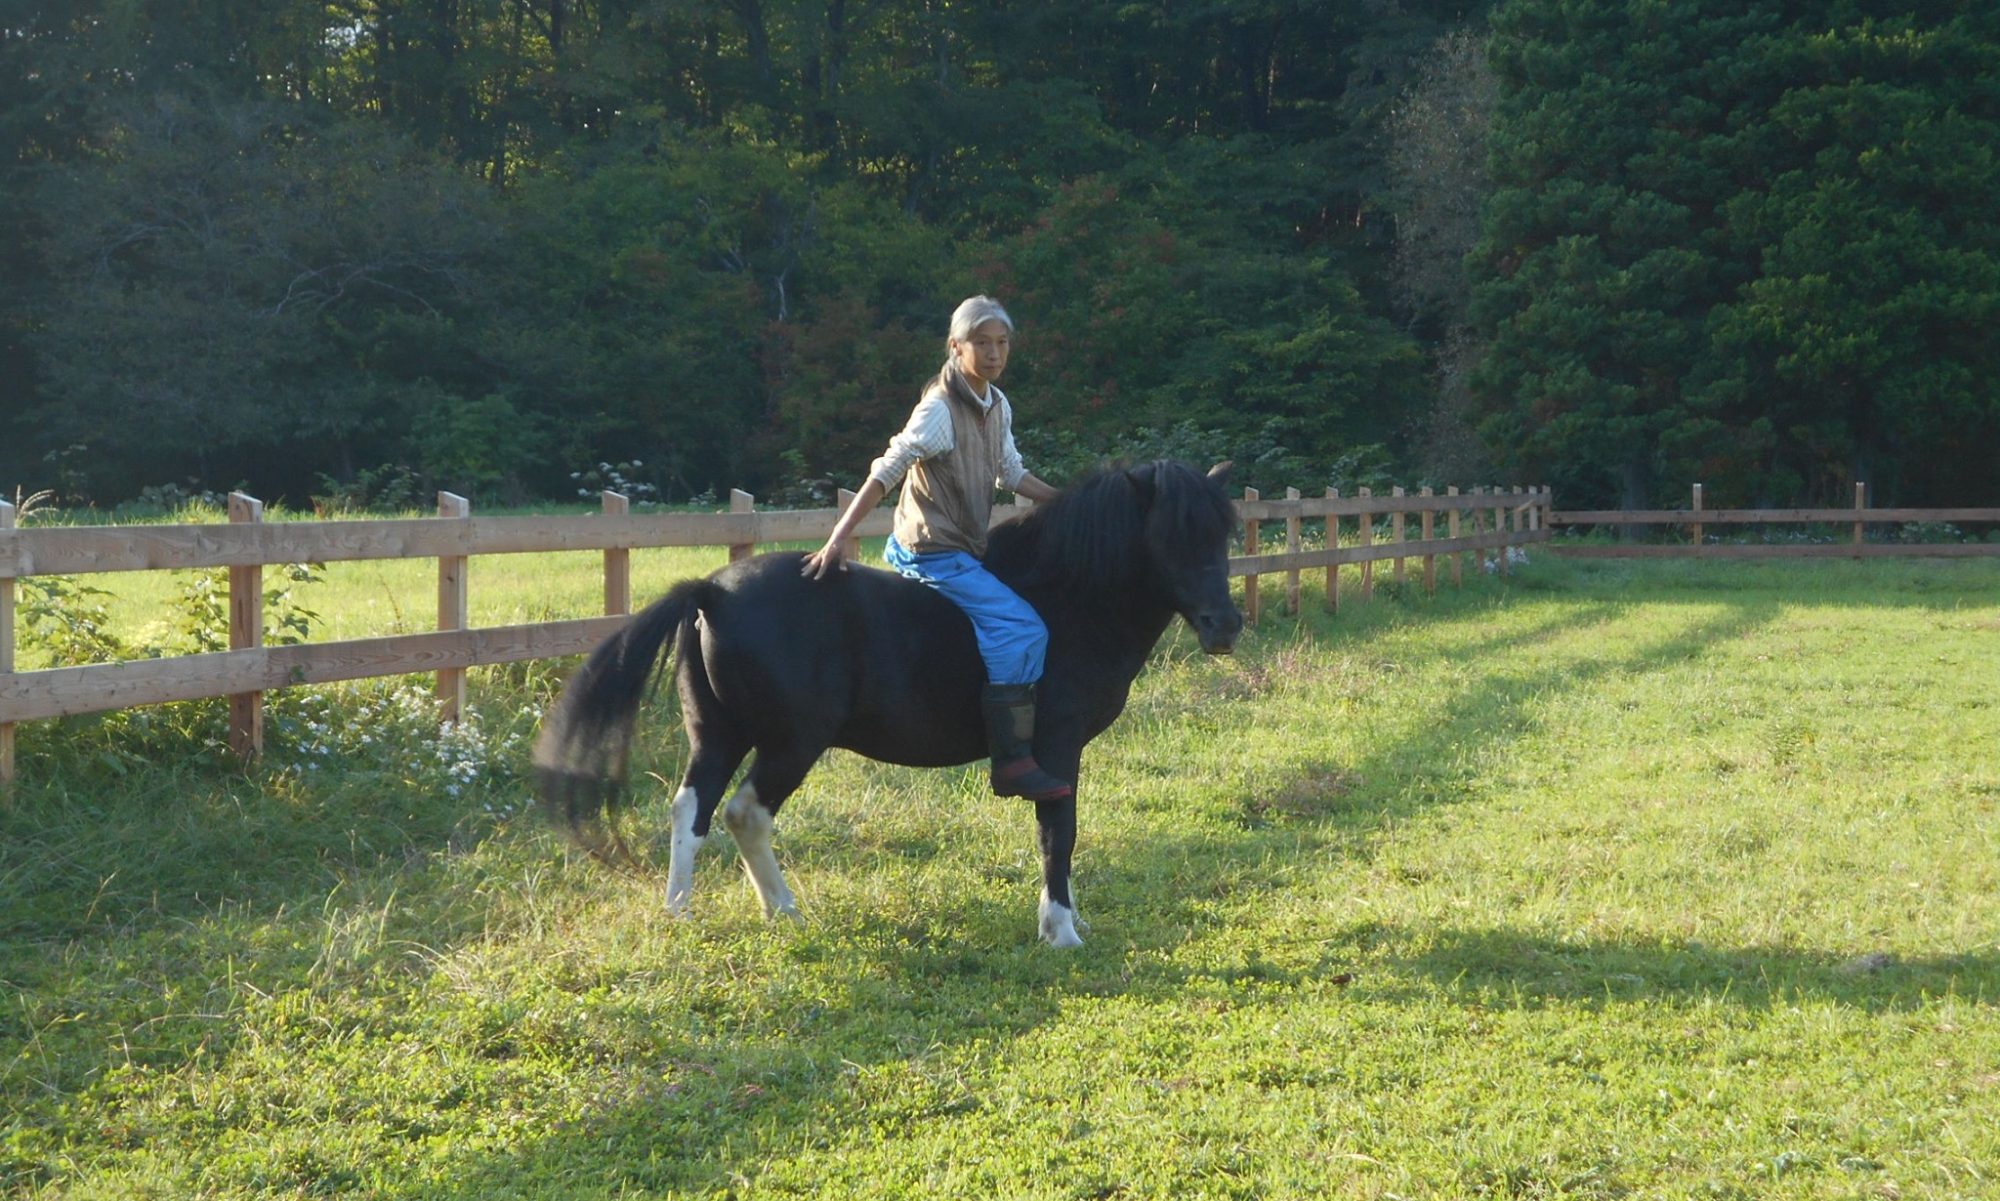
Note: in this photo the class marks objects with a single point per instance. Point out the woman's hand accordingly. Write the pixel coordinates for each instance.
(832, 555)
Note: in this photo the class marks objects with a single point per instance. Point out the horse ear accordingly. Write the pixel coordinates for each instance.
(1220, 472)
(1142, 482)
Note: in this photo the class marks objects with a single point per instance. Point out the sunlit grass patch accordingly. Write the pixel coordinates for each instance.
(1608, 880)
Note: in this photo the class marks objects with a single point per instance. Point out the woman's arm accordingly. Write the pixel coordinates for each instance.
(834, 553)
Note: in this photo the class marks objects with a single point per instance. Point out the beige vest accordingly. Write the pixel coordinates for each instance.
(947, 500)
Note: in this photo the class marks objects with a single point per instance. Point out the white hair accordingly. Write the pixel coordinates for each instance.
(974, 312)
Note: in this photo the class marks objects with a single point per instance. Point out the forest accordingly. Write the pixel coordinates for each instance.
(352, 250)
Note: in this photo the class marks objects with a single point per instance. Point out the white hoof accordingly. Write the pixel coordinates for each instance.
(1059, 925)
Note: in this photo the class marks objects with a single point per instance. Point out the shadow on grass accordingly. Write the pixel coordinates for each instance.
(1510, 968)
(812, 1095)
(1882, 583)
(846, 1055)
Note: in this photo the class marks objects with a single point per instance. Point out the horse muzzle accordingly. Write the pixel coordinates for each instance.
(1217, 629)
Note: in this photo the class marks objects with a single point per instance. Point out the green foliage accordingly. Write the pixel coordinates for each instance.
(282, 245)
(67, 621)
(203, 615)
(391, 487)
(1743, 245)
(1130, 322)
(240, 278)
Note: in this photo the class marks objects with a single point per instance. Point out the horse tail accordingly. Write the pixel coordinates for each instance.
(586, 740)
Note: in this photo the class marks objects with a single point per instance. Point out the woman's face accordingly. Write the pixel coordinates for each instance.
(983, 356)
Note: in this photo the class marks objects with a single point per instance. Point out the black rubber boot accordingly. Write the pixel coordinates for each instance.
(1010, 736)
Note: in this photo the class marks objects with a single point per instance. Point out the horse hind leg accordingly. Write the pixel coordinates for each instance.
(717, 746)
(750, 817)
(715, 759)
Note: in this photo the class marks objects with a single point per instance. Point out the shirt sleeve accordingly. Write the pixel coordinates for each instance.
(927, 435)
(1011, 467)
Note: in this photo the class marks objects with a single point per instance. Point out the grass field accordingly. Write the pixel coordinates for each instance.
(1609, 880)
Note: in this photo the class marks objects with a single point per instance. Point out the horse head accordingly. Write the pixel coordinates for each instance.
(1188, 522)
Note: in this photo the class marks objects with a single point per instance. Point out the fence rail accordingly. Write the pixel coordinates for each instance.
(1355, 535)
(247, 544)
(1698, 516)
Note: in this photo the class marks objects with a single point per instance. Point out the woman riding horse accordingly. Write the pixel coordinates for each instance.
(958, 444)
(781, 657)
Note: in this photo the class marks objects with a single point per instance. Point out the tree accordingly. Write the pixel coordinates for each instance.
(1438, 186)
(1598, 263)
(1861, 347)
(220, 289)
(1747, 244)
(1138, 312)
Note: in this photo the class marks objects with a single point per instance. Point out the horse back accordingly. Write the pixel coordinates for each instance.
(862, 659)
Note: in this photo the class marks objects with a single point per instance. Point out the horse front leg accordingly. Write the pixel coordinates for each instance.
(1057, 823)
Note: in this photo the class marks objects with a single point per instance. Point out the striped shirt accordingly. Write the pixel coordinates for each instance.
(928, 434)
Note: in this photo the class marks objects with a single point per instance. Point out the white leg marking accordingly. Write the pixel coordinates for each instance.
(680, 854)
(1058, 924)
(750, 824)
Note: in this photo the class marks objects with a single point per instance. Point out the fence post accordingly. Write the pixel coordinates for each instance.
(246, 631)
(1396, 535)
(1451, 531)
(1478, 515)
(1250, 606)
(452, 612)
(852, 548)
(1333, 543)
(1860, 503)
(1500, 526)
(1697, 532)
(6, 655)
(1294, 544)
(741, 502)
(1367, 540)
(617, 561)
(1429, 529)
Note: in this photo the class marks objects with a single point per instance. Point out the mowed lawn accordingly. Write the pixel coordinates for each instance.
(1606, 880)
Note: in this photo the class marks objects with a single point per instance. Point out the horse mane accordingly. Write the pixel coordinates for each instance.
(1090, 539)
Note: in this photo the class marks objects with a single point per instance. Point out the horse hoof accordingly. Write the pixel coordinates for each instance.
(1059, 926)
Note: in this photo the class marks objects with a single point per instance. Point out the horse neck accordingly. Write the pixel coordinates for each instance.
(1122, 624)
(1128, 616)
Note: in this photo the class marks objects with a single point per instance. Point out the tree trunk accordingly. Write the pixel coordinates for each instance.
(1635, 492)
(750, 14)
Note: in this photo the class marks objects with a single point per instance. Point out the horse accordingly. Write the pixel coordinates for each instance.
(884, 666)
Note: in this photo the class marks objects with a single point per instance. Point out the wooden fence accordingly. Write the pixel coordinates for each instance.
(1697, 518)
(246, 545)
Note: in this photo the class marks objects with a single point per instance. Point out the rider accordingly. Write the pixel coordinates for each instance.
(957, 445)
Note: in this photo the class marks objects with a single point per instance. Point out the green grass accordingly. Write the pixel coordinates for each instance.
(1613, 879)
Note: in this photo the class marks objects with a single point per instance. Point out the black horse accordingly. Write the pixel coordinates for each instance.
(883, 666)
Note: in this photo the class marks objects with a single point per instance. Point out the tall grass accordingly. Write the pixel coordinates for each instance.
(1609, 879)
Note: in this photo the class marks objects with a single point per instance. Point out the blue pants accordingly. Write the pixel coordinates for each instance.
(1012, 638)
